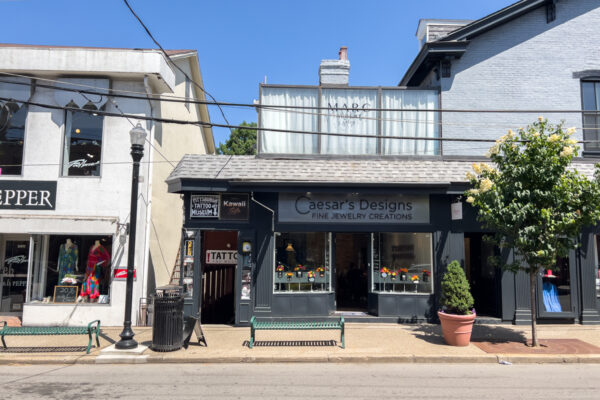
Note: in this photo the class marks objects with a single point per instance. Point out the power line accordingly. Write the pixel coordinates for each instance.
(264, 130)
(172, 62)
(180, 99)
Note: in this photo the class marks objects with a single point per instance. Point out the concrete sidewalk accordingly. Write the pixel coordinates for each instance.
(364, 343)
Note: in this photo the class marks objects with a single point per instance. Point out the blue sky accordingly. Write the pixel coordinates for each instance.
(240, 42)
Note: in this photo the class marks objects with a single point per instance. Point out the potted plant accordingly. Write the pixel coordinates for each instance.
(311, 276)
(289, 276)
(321, 272)
(280, 268)
(384, 272)
(426, 275)
(394, 275)
(298, 269)
(457, 314)
(402, 272)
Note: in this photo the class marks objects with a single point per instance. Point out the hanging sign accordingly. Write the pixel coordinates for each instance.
(353, 208)
(221, 256)
(234, 207)
(28, 195)
(204, 206)
(456, 210)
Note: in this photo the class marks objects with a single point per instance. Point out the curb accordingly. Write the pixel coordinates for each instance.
(405, 359)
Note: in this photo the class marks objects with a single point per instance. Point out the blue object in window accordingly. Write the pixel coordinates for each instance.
(551, 297)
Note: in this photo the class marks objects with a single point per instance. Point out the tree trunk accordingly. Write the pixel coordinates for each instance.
(532, 288)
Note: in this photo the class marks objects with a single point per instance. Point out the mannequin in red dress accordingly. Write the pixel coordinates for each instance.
(98, 261)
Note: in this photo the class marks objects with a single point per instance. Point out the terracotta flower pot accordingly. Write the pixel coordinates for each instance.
(456, 328)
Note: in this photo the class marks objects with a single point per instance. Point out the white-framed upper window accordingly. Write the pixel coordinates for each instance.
(590, 96)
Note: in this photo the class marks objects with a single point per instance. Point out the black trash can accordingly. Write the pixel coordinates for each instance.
(167, 322)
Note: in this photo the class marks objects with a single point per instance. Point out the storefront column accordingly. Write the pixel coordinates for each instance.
(522, 299)
(589, 313)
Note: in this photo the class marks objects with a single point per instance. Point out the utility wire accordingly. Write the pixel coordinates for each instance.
(173, 63)
(146, 139)
(265, 130)
(180, 99)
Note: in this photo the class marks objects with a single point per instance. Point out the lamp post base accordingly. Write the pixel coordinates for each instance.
(127, 341)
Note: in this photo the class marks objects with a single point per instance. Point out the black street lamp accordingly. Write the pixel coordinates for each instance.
(138, 136)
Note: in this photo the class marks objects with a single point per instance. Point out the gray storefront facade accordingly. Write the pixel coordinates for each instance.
(301, 243)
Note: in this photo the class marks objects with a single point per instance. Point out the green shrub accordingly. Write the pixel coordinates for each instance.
(456, 291)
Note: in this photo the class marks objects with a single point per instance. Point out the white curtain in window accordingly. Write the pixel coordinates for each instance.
(286, 118)
(410, 123)
(347, 111)
(95, 85)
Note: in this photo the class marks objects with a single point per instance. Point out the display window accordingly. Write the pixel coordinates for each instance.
(14, 275)
(302, 262)
(597, 266)
(12, 137)
(83, 142)
(556, 287)
(402, 263)
(72, 269)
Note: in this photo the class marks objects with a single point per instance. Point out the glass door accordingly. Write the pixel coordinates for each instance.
(557, 291)
(15, 265)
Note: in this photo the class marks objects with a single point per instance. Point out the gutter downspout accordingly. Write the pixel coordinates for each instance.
(267, 208)
(150, 127)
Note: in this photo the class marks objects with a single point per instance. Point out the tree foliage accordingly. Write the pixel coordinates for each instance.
(456, 292)
(532, 200)
(241, 141)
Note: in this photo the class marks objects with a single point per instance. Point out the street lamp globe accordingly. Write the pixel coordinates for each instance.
(138, 135)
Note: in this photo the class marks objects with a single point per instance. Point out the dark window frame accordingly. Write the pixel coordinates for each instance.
(64, 172)
(13, 108)
(591, 131)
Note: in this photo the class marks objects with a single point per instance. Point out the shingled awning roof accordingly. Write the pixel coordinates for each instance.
(252, 169)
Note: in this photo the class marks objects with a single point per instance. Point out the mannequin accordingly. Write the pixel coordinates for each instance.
(68, 255)
(550, 294)
(98, 261)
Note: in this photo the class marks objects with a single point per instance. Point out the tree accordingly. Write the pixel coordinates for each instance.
(242, 141)
(533, 202)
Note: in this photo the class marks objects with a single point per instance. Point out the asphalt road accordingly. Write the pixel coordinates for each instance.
(301, 381)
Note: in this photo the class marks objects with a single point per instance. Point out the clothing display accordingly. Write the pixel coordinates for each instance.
(68, 256)
(551, 297)
(98, 260)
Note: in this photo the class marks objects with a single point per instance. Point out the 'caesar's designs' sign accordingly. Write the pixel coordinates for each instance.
(28, 195)
(353, 208)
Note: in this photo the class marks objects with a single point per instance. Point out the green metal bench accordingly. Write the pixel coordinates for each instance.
(52, 330)
(295, 325)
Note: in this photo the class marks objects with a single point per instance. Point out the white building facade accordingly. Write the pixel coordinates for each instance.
(65, 178)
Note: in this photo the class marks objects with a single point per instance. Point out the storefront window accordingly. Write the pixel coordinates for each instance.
(14, 275)
(556, 287)
(77, 267)
(302, 262)
(83, 142)
(597, 266)
(402, 263)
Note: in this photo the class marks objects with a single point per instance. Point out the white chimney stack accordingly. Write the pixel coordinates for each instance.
(335, 72)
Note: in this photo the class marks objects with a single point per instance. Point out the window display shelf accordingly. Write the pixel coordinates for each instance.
(403, 287)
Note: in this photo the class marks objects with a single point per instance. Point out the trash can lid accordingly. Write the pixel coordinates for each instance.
(169, 290)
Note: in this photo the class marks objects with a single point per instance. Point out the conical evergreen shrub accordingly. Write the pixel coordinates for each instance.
(456, 291)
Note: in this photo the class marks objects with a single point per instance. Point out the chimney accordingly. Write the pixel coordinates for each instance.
(335, 72)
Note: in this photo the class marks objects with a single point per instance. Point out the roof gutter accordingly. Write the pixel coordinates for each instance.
(430, 54)
(498, 18)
